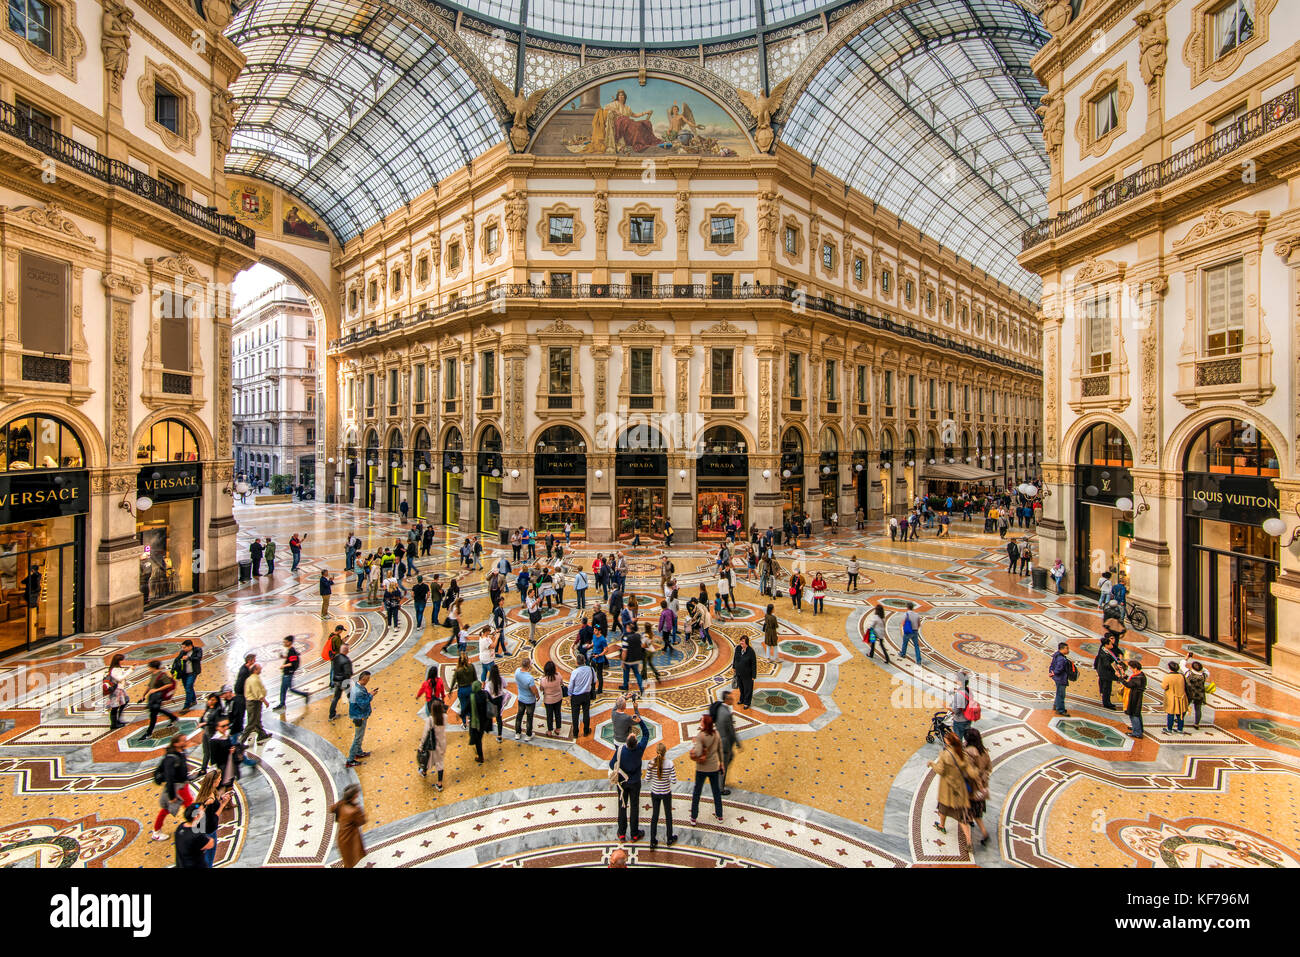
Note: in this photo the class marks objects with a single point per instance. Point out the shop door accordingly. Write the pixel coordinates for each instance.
(640, 509)
(40, 596)
(1234, 605)
(394, 487)
(830, 486)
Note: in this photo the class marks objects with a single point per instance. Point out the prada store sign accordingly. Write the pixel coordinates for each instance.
(652, 465)
(27, 496)
(168, 483)
(1242, 499)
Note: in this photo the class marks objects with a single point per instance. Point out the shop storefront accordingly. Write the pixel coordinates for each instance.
(1103, 532)
(886, 472)
(453, 473)
(792, 482)
(560, 481)
(394, 470)
(372, 470)
(1231, 561)
(828, 474)
(422, 459)
(721, 483)
(168, 529)
(44, 498)
(489, 470)
(859, 459)
(353, 470)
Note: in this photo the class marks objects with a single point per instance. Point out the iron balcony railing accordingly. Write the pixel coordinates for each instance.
(1276, 113)
(116, 173)
(588, 291)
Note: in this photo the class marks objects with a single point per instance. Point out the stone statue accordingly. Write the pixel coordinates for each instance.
(602, 214)
(683, 213)
(1053, 113)
(116, 40)
(769, 214)
(517, 216)
(223, 120)
(1056, 15)
(763, 107)
(521, 108)
(1152, 42)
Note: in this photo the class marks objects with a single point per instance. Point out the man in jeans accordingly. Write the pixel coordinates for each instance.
(326, 589)
(912, 631)
(188, 665)
(359, 711)
(340, 676)
(419, 598)
(628, 755)
(292, 661)
(581, 682)
(526, 686)
(1060, 672)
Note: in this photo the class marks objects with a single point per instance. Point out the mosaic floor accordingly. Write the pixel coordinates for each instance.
(834, 768)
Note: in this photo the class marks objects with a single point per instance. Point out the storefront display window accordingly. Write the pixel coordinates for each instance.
(453, 462)
(560, 476)
(792, 482)
(1101, 479)
(490, 469)
(717, 509)
(555, 506)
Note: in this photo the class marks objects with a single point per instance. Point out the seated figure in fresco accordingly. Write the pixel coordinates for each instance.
(615, 122)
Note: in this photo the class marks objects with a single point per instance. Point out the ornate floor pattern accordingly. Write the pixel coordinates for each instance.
(833, 770)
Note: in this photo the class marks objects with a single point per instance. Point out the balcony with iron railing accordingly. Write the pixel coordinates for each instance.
(80, 157)
(1264, 119)
(681, 291)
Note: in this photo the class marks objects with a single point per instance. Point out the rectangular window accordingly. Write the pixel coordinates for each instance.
(43, 303)
(449, 379)
(166, 108)
(911, 392)
(795, 375)
(862, 384)
(419, 384)
(374, 291)
(487, 373)
(33, 20)
(950, 398)
(889, 387)
(723, 284)
(792, 240)
(640, 371)
(311, 358)
(392, 388)
(37, 120)
(561, 378)
(561, 284)
(722, 230)
(422, 270)
(933, 397)
(641, 230)
(723, 370)
(1225, 316)
(965, 398)
(561, 230)
(370, 390)
(453, 257)
(908, 290)
(859, 269)
(174, 313)
(1105, 112)
(311, 434)
(828, 256)
(397, 282)
(1234, 24)
(642, 285)
(1097, 317)
(492, 240)
(886, 281)
(832, 381)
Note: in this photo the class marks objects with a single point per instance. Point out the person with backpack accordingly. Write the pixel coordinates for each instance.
(1013, 556)
(340, 676)
(172, 773)
(962, 706)
(434, 748)
(1198, 684)
(912, 631)
(625, 775)
(1062, 671)
(192, 845)
(876, 632)
(159, 688)
(289, 668)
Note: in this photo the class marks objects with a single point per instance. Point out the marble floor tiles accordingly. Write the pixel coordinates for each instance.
(833, 768)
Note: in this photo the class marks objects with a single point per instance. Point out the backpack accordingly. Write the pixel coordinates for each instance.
(160, 771)
(972, 710)
(108, 686)
(1073, 673)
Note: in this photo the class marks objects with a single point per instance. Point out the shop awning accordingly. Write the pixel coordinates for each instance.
(955, 472)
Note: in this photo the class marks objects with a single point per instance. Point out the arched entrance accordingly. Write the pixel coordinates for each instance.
(1230, 561)
(721, 482)
(488, 468)
(887, 471)
(422, 459)
(1102, 532)
(372, 469)
(641, 474)
(828, 474)
(44, 500)
(792, 488)
(560, 481)
(170, 482)
(352, 465)
(453, 465)
(861, 459)
(909, 466)
(396, 493)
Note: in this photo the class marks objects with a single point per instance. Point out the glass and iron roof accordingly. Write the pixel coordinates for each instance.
(929, 110)
(930, 113)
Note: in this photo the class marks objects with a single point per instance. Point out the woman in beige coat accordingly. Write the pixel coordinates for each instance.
(954, 799)
(1175, 685)
(349, 817)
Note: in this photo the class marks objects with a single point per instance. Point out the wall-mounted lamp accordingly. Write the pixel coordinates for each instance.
(1280, 525)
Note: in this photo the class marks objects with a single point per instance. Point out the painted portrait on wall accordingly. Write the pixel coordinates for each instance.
(298, 222)
(622, 117)
(252, 204)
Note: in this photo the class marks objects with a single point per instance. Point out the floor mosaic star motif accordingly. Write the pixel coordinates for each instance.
(833, 769)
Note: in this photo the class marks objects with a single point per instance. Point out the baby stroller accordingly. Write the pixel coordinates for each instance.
(939, 724)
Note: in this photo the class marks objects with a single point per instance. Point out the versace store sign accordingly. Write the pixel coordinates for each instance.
(170, 483)
(1240, 499)
(39, 494)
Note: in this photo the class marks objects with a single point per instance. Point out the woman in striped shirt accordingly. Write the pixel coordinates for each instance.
(661, 776)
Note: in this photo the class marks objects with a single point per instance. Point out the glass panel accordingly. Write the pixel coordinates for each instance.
(555, 506)
(1252, 607)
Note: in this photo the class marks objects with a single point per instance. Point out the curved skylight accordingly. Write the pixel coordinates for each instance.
(633, 23)
(351, 107)
(930, 112)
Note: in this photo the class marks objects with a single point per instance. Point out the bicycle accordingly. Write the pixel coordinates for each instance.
(1135, 615)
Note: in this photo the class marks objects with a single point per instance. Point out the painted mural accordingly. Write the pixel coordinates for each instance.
(624, 118)
(301, 224)
(252, 204)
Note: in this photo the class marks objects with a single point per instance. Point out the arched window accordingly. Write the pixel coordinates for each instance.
(560, 438)
(40, 442)
(722, 440)
(168, 441)
(1104, 445)
(453, 442)
(860, 443)
(641, 437)
(792, 442)
(490, 440)
(829, 443)
(372, 447)
(1231, 447)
